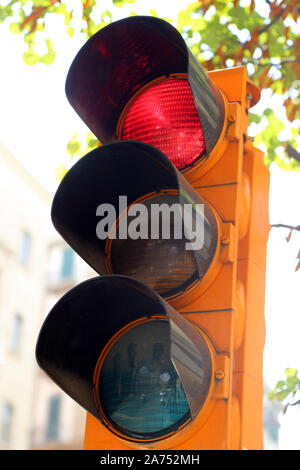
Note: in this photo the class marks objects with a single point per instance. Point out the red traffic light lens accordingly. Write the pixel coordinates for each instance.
(164, 115)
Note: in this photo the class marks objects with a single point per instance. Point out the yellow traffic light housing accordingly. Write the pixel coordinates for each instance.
(173, 136)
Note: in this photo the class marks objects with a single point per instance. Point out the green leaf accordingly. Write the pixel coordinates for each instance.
(15, 28)
(30, 57)
(272, 395)
(287, 387)
(120, 3)
(153, 12)
(277, 86)
(221, 6)
(239, 15)
(60, 172)
(256, 118)
(92, 141)
(283, 395)
(49, 57)
(275, 49)
(60, 9)
(268, 112)
(290, 372)
(6, 12)
(70, 31)
(280, 384)
(74, 146)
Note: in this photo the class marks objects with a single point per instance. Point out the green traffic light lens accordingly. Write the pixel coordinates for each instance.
(140, 392)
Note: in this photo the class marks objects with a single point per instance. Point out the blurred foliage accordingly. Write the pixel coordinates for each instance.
(29, 17)
(225, 34)
(78, 147)
(220, 33)
(287, 389)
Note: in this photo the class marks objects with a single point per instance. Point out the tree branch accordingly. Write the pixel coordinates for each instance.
(271, 64)
(267, 26)
(292, 153)
(291, 227)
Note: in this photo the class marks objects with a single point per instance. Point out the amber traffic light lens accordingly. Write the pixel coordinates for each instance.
(164, 265)
(161, 259)
(165, 116)
(140, 391)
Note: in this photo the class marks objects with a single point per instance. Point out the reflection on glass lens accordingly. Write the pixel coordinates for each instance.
(139, 388)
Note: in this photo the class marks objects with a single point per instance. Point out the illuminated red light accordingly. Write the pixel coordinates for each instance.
(165, 116)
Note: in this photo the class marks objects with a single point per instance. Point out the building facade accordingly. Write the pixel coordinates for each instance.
(36, 268)
(59, 422)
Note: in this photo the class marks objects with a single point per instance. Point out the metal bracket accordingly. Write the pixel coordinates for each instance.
(228, 242)
(234, 118)
(222, 377)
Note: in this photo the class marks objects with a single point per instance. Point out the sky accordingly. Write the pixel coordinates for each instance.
(36, 123)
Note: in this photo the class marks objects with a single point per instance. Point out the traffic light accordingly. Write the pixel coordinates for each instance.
(164, 348)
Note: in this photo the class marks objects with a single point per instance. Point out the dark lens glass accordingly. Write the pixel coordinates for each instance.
(156, 252)
(139, 388)
(159, 257)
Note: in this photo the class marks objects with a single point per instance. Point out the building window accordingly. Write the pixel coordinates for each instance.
(6, 422)
(53, 418)
(67, 263)
(16, 333)
(25, 248)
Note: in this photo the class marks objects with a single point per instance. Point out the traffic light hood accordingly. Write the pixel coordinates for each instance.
(124, 57)
(81, 329)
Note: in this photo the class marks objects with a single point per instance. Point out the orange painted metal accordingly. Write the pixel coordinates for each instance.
(230, 308)
(248, 363)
